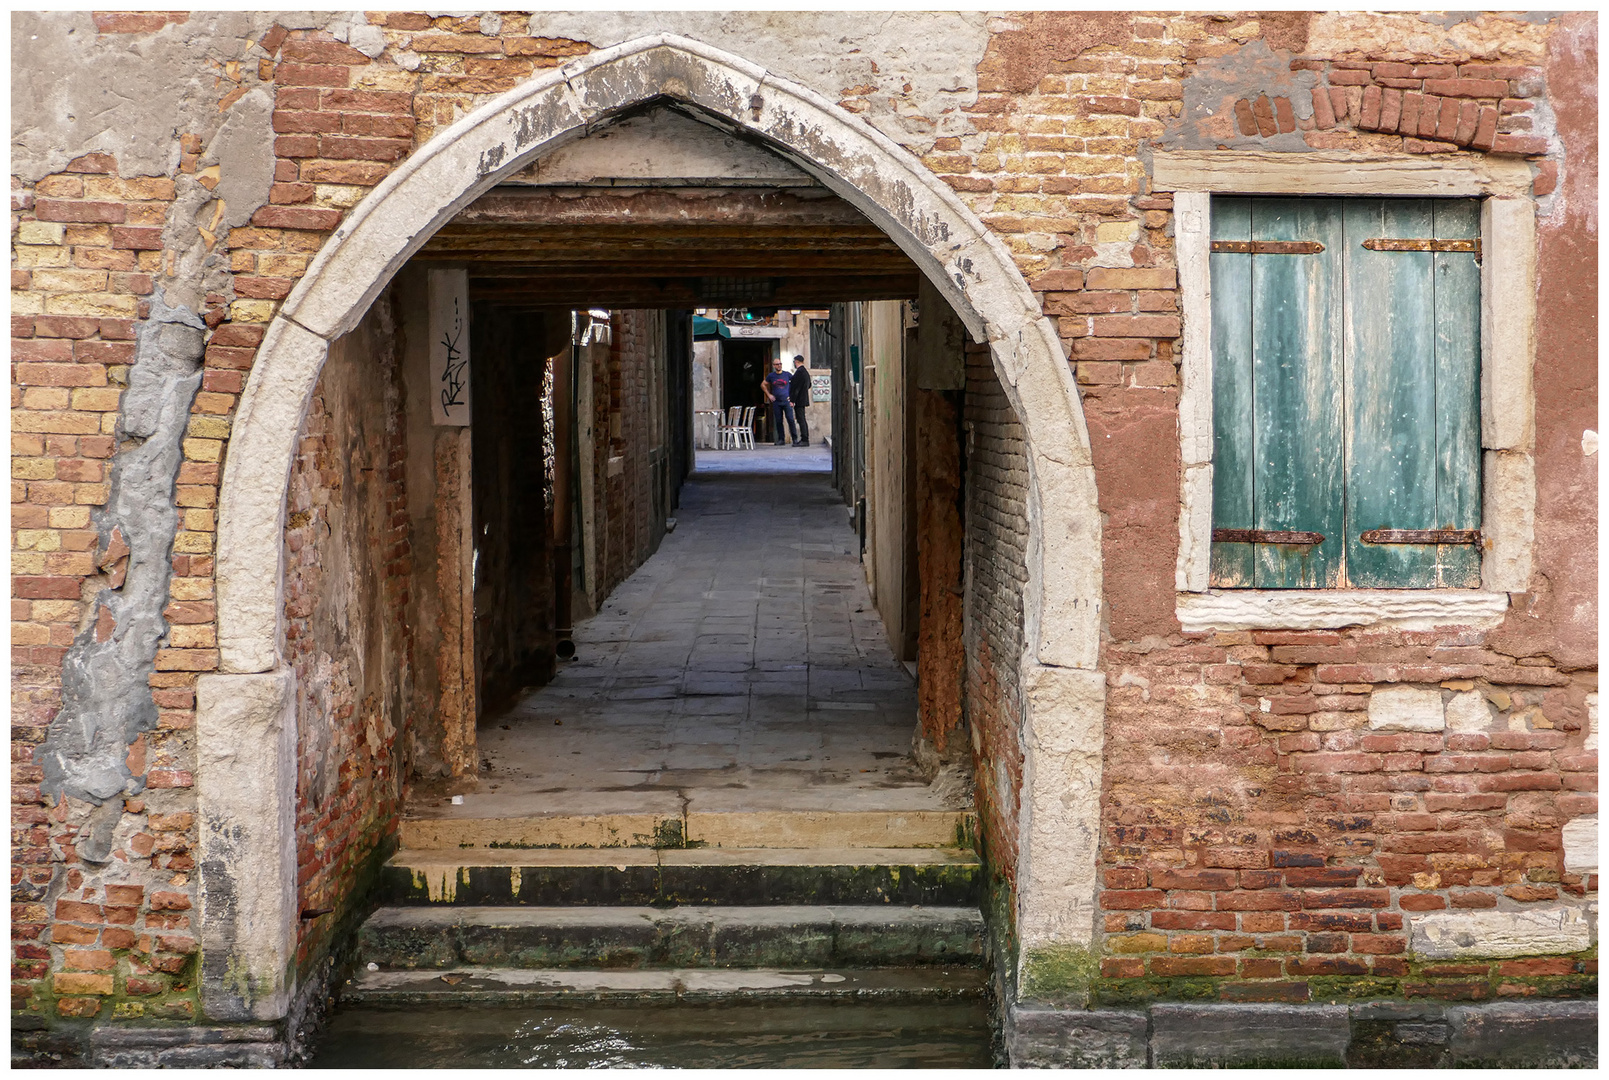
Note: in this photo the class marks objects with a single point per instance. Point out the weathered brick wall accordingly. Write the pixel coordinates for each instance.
(347, 633)
(1264, 842)
(995, 489)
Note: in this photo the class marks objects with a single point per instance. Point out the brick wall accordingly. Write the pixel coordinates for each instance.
(995, 489)
(347, 631)
(1264, 840)
(626, 429)
(114, 938)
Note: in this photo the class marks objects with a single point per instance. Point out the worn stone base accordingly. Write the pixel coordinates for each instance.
(258, 1046)
(1391, 1034)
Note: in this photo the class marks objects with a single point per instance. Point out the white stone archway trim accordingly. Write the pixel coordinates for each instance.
(1063, 692)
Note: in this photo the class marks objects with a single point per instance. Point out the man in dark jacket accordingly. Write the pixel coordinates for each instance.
(799, 391)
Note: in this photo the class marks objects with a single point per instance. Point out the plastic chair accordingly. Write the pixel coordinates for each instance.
(745, 429)
(729, 436)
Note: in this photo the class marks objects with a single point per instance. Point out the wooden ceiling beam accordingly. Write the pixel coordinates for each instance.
(796, 207)
(613, 292)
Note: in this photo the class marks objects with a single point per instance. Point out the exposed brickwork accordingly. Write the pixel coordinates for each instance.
(995, 487)
(1259, 832)
(625, 430)
(348, 640)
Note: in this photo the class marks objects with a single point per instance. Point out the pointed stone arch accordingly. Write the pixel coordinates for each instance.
(1063, 693)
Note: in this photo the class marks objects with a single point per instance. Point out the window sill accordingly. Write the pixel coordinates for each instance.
(1330, 609)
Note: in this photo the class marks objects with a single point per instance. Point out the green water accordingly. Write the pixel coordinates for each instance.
(764, 1036)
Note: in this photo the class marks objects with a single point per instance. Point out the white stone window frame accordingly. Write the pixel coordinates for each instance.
(1508, 400)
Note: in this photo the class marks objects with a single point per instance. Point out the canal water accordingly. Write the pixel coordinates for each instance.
(761, 1036)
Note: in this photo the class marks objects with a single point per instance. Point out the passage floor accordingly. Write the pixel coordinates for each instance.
(742, 669)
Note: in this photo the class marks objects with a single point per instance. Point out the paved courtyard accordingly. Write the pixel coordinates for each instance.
(743, 667)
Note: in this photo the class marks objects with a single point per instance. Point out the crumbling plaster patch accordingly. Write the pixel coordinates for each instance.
(105, 701)
(75, 91)
(133, 96)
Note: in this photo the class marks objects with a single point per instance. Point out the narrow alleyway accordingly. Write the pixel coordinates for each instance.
(742, 669)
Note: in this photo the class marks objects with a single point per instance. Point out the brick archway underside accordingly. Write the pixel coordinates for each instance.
(247, 707)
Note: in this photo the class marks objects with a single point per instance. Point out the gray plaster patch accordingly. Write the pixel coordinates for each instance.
(1216, 83)
(106, 701)
(241, 152)
(834, 53)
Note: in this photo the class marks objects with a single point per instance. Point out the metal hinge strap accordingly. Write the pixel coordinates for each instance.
(1472, 247)
(1264, 536)
(1268, 247)
(1421, 536)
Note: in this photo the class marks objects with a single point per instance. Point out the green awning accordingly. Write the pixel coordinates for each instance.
(709, 329)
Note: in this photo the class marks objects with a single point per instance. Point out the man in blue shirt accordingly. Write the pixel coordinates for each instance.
(777, 384)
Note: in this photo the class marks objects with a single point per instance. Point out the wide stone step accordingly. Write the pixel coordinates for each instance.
(512, 986)
(454, 827)
(667, 877)
(786, 936)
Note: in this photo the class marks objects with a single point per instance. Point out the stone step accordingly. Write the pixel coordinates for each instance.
(455, 827)
(511, 986)
(664, 877)
(784, 936)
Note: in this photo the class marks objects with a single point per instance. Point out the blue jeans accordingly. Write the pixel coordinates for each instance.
(780, 408)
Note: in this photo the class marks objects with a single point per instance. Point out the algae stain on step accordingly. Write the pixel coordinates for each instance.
(440, 883)
(514, 882)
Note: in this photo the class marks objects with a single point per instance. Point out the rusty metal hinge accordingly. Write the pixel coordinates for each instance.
(1421, 536)
(1268, 247)
(1264, 536)
(1471, 247)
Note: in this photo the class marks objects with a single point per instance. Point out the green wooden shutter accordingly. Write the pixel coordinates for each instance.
(1458, 350)
(1278, 461)
(1346, 391)
(1232, 431)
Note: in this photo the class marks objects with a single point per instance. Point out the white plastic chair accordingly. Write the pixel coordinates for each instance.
(726, 434)
(745, 429)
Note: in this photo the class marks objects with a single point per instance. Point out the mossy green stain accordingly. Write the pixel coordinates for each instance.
(1333, 989)
(1062, 973)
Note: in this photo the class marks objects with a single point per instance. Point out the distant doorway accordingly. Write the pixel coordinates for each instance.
(743, 365)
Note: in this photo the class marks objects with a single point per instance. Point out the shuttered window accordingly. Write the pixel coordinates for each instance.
(1346, 393)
